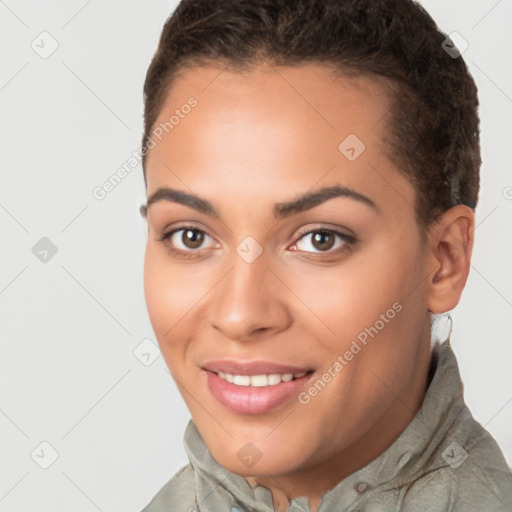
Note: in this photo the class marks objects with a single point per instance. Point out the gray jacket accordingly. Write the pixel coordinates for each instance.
(443, 461)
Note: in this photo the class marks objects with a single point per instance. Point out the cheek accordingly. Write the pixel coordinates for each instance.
(372, 309)
(383, 311)
(169, 295)
(348, 298)
(155, 289)
(376, 329)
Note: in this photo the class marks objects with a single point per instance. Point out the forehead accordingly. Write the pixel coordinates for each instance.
(271, 130)
(306, 98)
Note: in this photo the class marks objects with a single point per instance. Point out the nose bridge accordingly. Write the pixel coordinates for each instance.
(248, 298)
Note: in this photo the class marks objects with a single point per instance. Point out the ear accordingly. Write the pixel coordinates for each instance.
(450, 247)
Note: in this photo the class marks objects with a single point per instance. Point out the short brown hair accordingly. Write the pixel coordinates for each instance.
(433, 129)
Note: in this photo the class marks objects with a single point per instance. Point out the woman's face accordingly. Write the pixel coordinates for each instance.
(259, 281)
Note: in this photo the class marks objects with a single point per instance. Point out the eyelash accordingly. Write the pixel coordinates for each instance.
(348, 240)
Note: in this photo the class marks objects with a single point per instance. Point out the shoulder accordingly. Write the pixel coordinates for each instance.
(474, 477)
(177, 494)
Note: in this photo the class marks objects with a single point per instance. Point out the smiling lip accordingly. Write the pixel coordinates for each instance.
(253, 399)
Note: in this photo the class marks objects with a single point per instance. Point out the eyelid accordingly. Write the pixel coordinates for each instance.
(326, 228)
(168, 232)
(348, 240)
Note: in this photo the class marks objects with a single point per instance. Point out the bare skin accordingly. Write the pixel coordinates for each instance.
(267, 137)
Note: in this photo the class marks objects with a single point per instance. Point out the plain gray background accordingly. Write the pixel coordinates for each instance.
(72, 323)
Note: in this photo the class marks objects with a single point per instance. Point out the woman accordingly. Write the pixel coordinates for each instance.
(312, 170)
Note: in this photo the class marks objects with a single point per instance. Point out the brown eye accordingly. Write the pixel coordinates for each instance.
(322, 240)
(192, 238)
(186, 241)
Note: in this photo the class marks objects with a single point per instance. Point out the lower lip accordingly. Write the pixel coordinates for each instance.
(253, 399)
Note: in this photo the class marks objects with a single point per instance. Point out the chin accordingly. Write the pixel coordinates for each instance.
(260, 466)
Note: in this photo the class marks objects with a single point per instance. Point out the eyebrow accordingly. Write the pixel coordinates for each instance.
(281, 210)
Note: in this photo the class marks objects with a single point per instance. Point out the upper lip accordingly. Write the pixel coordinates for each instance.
(252, 367)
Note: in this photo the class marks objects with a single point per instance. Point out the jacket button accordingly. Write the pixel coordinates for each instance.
(360, 487)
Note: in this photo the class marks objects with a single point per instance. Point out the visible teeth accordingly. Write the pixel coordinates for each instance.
(242, 380)
(259, 380)
(274, 379)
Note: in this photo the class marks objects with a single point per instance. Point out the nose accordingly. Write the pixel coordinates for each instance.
(250, 301)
